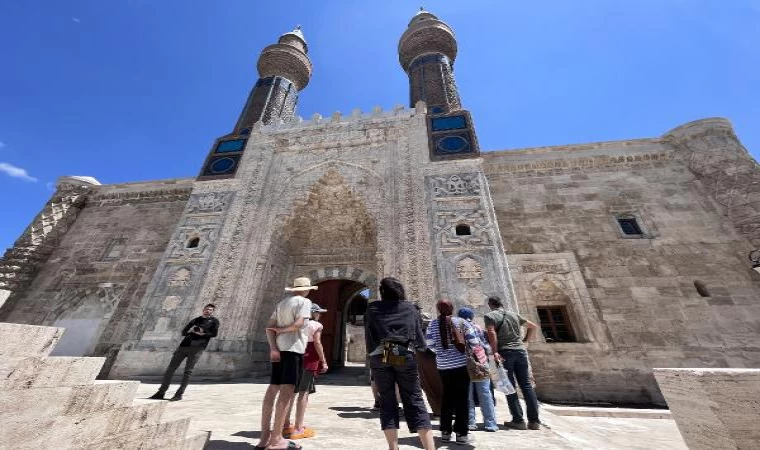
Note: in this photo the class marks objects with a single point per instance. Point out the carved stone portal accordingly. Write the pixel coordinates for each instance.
(333, 215)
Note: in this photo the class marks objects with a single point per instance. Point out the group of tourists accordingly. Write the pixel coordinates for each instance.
(401, 351)
(450, 358)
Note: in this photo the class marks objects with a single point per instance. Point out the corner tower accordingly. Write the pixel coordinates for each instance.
(284, 70)
(427, 51)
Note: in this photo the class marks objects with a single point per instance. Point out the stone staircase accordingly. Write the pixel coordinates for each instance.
(56, 403)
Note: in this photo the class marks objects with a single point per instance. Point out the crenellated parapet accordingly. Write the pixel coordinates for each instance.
(717, 157)
(338, 119)
(20, 263)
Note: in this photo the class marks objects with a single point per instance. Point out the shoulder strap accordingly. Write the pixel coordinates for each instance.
(503, 318)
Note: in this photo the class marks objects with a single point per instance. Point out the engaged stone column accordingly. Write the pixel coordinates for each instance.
(714, 408)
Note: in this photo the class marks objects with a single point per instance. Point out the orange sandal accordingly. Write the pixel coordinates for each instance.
(303, 433)
(287, 431)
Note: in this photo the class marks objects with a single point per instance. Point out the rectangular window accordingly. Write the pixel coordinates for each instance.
(449, 123)
(630, 226)
(235, 145)
(555, 324)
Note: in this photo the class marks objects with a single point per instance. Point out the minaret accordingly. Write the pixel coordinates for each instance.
(284, 69)
(427, 51)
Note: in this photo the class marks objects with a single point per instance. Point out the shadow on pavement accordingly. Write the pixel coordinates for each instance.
(248, 434)
(227, 445)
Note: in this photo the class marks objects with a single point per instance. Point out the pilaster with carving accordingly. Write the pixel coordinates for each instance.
(467, 245)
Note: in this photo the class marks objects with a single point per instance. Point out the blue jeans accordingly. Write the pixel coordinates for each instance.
(483, 390)
(516, 363)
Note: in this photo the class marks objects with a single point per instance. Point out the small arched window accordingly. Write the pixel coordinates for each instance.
(194, 242)
(701, 288)
(463, 230)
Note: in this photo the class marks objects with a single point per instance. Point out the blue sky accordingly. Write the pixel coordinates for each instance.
(138, 89)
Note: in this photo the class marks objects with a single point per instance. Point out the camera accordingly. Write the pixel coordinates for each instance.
(197, 329)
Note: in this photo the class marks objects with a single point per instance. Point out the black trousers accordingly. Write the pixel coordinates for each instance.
(193, 354)
(405, 376)
(456, 387)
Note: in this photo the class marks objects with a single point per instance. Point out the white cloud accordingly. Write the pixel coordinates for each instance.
(76, 20)
(16, 172)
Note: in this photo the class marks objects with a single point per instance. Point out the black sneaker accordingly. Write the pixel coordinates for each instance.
(176, 398)
(534, 425)
(515, 425)
(157, 396)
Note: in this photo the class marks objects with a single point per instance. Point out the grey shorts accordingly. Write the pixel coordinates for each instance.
(307, 382)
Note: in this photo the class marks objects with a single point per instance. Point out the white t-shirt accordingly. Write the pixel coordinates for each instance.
(312, 327)
(285, 313)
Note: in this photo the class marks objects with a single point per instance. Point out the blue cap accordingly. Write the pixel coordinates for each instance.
(466, 313)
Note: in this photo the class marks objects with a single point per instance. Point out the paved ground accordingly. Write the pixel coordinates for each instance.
(340, 413)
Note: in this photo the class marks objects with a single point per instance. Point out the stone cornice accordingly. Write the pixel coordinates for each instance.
(589, 162)
(148, 196)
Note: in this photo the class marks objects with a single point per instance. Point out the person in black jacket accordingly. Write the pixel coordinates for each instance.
(197, 334)
(393, 330)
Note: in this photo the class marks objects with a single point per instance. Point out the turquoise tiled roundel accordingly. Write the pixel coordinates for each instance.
(452, 144)
(222, 165)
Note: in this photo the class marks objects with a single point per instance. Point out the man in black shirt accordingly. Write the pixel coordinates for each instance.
(197, 334)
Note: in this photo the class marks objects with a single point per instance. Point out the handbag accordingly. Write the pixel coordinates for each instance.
(477, 361)
(394, 354)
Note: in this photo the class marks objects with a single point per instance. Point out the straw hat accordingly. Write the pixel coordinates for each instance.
(301, 284)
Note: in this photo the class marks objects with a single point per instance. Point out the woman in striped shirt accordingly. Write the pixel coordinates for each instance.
(451, 361)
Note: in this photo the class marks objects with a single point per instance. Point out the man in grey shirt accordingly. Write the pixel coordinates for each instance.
(504, 335)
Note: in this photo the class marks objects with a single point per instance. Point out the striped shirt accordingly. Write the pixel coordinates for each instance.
(450, 358)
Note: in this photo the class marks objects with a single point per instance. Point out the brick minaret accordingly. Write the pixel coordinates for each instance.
(427, 50)
(284, 70)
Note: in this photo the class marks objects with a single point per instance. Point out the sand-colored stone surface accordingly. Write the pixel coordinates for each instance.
(342, 418)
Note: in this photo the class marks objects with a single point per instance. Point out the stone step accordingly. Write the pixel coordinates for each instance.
(164, 436)
(74, 431)
(27, 340)
(57, 371)
(31, 404)
(196, 441)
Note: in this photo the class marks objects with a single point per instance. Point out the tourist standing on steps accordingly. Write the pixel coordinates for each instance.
(314, 363)
(480, 389)
(448, 336)
(393, 330)
(197, 333)
(287, 336)
(504, 334)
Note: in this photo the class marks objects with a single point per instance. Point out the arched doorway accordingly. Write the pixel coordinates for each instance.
(345, 302)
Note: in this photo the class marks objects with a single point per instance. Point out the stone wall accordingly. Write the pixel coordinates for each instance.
(632, 302)
(95, 278)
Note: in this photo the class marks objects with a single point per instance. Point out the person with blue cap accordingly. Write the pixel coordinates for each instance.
(480, 388)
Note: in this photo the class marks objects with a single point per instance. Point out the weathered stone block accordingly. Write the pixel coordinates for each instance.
(27, 340)
(714, 408)
(25, 373)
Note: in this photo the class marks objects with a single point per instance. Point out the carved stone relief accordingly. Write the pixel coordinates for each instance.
(457, 185)
(208, 203)
(477, 221)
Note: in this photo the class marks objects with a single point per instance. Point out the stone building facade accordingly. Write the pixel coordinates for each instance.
(631, 254)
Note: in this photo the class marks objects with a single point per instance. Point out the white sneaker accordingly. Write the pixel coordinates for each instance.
(465, 439)
(446, 437)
